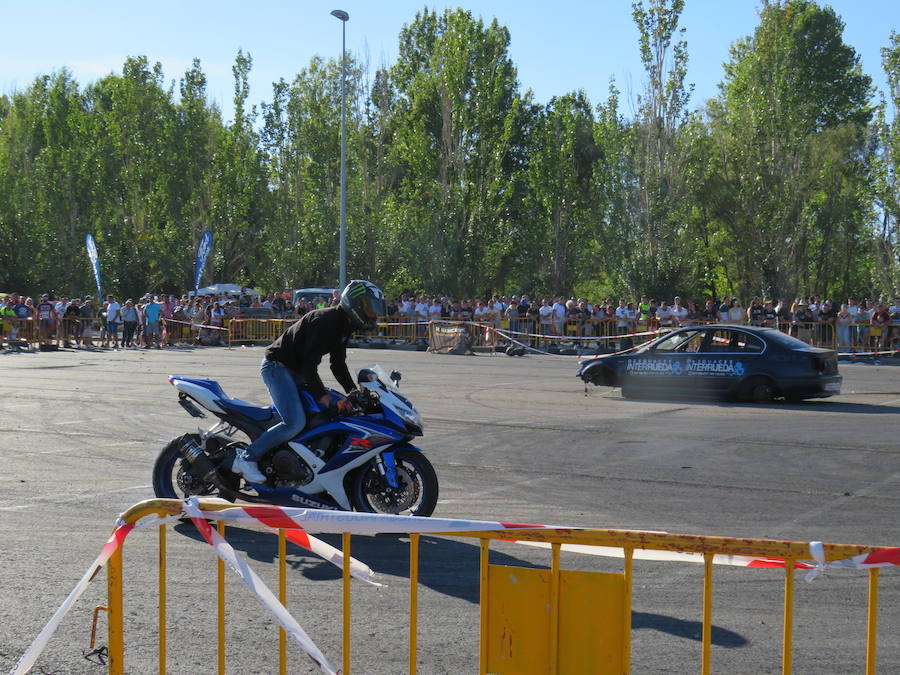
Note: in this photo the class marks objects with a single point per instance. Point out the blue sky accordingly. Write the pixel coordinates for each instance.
(557, 46)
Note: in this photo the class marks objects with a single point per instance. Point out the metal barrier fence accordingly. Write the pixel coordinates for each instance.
(589, 622)
(251, 331)
(531, 331)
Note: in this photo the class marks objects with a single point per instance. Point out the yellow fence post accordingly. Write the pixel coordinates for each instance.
(485, 595)
(346, 575)
(220, 584)
(626, 631)
(162, 598)
(707, 611)
(788, 631)
(115, 620)
(282, 597)
(554, 609)
(413, 600)
(872, 622)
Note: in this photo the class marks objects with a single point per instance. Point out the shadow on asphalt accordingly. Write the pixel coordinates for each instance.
(817, 406)
(689, 630)
(446, 565)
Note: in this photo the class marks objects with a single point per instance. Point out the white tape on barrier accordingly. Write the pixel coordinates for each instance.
(297, 521)
(256, 586)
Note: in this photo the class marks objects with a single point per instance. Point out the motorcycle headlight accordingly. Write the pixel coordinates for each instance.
(411, 418)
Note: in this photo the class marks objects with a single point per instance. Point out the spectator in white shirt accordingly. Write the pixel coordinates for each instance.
(736, 313)
(679, 311)
(664, 315)
(559, 314)
(434, 310)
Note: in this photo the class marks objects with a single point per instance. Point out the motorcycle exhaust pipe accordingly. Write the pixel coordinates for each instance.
(199, 461)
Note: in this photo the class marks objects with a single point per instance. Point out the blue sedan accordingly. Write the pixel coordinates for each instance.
(734, 362)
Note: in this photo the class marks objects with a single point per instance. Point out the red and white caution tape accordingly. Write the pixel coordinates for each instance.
(886, 558)
(24, 664)
(512, 340)
(337, 522)
(671, 556)
(891, 352)
(297, 522)
(256, 586)
(573, 337)
(195, 325)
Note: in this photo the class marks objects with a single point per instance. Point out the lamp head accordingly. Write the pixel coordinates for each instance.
(340, 14)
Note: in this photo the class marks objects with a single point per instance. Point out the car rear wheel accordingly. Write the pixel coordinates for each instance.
(759, 390)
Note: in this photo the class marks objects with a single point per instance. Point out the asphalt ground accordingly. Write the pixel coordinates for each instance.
(512, 439)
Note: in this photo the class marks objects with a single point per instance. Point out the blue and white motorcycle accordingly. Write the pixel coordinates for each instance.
(363, 461)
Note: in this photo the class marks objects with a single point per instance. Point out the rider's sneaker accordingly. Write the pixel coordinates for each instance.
(248, 469)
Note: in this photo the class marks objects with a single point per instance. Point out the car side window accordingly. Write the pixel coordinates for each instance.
(688, 341)
(733, 341)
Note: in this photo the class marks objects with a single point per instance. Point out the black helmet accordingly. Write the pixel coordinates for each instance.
(364, 303)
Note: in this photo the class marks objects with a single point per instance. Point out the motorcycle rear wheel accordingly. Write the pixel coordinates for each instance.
(171, 479)
(416, 495)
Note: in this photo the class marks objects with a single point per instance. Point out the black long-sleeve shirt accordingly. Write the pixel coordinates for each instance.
(302, 346)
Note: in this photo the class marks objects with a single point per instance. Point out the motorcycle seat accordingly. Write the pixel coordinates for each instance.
(254, 412)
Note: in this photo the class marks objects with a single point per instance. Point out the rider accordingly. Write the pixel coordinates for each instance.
(293, 360)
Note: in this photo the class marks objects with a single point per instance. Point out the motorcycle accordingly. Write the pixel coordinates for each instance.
(361, 461)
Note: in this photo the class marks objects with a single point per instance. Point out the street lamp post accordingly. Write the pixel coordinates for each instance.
(343, 16)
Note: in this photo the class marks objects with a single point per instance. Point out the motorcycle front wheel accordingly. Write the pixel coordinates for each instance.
(416, 493)
(171, 476)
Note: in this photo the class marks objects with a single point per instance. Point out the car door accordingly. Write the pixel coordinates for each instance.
(726, 357)
(663, 366)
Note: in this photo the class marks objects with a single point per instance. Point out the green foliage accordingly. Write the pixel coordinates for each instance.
(459, 183)
(789, 177)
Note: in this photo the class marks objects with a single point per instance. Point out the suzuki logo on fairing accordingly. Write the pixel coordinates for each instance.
(308, 502)
(362, 443)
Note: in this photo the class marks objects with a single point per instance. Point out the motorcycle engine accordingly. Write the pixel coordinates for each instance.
(289, 468)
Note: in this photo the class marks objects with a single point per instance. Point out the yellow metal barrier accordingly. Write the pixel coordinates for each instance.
(588, 626)
(254, 330)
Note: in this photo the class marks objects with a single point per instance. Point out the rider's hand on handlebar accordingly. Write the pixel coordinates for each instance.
(344, 406)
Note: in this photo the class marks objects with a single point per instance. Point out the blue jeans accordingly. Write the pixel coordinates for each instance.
(282, 385)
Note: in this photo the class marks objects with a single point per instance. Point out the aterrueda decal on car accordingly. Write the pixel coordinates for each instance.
(692, 366)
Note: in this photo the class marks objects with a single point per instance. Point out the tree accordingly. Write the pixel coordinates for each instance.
(887, 232)
(789, 130)
(457, 148)
(561, 196)
(655, 227)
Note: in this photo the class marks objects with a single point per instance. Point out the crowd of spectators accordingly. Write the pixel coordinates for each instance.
(866, 324)
(155, 321)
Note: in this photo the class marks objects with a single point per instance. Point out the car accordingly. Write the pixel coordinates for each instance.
(734, 362)
(312, 294)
